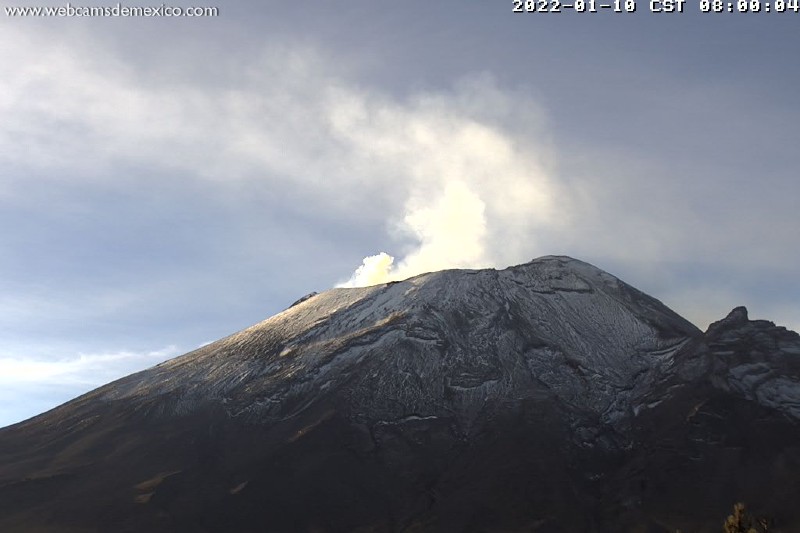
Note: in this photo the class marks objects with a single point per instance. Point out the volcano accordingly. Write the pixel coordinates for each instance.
(546, 397)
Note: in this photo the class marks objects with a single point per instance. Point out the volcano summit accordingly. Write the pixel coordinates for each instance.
(546, 397)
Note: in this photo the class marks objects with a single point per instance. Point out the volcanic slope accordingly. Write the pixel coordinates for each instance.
(549, 396)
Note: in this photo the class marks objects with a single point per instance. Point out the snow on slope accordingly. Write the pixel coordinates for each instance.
(451, 343)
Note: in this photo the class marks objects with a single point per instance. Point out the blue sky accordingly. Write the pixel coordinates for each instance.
(165, 182)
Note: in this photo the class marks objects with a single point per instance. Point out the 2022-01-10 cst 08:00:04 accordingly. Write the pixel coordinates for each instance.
(655, 6)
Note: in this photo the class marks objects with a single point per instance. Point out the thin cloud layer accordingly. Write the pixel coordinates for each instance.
(32, 385)
(83, 370)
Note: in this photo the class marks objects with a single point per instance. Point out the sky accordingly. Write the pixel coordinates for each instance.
(167, 181)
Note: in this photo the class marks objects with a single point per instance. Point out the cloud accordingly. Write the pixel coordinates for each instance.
(32, 385)
(456, 178)
(82, 369)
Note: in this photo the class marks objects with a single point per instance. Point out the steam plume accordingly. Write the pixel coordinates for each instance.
(474, 195)
(450, 232)
(374, 269)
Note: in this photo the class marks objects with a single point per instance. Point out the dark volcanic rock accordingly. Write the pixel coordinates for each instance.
(545, 397)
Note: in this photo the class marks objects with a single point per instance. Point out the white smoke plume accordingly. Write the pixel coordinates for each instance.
(476, 192)
(375, 269)
(451, 233)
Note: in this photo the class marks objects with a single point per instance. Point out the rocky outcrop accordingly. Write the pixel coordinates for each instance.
(756, 360)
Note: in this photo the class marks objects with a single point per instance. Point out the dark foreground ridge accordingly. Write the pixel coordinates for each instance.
(546, 397)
